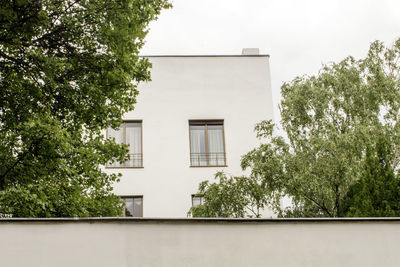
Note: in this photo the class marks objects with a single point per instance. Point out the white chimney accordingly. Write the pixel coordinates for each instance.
(250, 51)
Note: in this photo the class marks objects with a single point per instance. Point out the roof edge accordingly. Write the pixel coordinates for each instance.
(260, 55)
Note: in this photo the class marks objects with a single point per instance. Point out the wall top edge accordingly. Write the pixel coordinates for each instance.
(198, 220)
(260, 55)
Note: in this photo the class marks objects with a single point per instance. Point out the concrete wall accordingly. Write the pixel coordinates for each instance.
(233, 88)
(121, 243)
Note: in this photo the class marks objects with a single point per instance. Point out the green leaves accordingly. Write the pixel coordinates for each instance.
(230, 197)
(377, 192)
(331, 119)
(68, 70)
(340, 156)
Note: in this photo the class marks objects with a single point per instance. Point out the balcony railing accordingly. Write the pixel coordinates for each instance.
(135, 161)
(208, 159)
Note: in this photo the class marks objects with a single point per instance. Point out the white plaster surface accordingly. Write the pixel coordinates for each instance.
(236, 89)
(122, 244)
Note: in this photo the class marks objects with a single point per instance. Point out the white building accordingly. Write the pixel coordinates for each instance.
(195, 117)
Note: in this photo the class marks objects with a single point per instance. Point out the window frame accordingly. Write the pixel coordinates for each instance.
(124, 122)
(122, 197)
(206, 123)
(201, 199)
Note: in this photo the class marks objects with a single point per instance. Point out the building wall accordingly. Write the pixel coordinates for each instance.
(233, 88)
(119, 243)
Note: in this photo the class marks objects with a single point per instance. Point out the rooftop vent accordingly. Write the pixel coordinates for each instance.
(250, 51)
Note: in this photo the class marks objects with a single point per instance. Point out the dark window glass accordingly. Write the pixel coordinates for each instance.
(133, 206)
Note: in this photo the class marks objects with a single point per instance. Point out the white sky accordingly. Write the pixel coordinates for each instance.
(299, 35)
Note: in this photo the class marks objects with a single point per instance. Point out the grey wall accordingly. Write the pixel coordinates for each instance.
(199, 243)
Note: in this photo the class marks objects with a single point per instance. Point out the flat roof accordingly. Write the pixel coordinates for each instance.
(260, 55)
(198, 220)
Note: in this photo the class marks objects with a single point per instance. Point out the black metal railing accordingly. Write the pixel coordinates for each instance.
(208, 159)
(135, 161)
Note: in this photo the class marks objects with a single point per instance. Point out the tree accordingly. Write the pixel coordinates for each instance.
(68, 70)
(235, 197)
(334, 123)
(377, 192)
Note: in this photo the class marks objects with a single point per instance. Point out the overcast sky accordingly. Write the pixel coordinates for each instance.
(299, 35)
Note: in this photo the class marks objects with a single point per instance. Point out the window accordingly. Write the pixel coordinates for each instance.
(130, 133)
(207, 144)
(197, 200)
(133, 206)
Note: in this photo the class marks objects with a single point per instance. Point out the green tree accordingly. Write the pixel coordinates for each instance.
(234, 197)
(68, 70)
(377, 192)
(333, 123)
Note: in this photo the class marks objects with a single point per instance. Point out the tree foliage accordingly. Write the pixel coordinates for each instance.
(234, 197)
(377, 192)
(340, 154)
(68, 70)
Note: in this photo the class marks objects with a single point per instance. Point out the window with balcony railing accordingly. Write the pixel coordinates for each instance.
(130, 133)
(207, 143)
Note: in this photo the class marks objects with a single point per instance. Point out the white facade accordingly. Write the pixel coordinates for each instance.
(235, 89)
